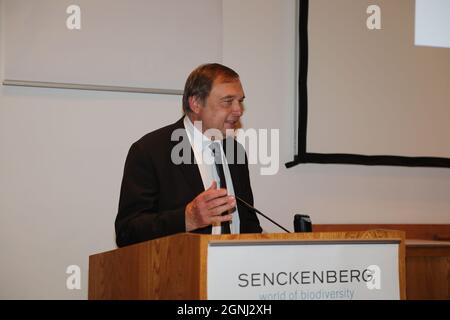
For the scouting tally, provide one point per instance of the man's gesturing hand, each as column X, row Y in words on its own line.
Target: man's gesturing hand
column 207, row 208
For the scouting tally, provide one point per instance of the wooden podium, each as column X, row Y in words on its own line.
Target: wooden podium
column 176, row 267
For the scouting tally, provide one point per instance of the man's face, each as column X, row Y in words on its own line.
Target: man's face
column 222, row 108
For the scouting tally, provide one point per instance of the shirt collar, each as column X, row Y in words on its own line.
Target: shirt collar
column 198, row 140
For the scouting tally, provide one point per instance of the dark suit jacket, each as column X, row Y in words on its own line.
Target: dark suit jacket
column 155, row 191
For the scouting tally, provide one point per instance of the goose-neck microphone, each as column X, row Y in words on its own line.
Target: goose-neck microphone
column 249, row 206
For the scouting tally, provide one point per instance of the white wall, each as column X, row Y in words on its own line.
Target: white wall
column 62, row 155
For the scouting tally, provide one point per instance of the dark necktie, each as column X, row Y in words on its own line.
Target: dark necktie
column 217, row 153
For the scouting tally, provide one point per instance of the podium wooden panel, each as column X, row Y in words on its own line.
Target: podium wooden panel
column 428, row 270
column 175, row 267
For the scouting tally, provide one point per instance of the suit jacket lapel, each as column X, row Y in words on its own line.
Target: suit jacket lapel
column 190, row 170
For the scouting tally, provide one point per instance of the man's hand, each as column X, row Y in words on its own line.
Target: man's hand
column 207, row 208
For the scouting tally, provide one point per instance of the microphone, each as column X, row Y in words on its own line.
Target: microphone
column 259, row 212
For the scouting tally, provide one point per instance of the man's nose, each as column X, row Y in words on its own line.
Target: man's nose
column 238, row 108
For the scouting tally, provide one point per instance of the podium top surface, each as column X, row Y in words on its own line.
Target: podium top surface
column 378, row 235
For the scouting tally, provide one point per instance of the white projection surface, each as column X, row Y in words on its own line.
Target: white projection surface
column 433, row 23
column 374, row 92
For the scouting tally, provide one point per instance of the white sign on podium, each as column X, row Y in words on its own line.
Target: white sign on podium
column 303, row 270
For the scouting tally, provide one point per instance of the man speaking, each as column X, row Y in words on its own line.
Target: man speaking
column 183, row 177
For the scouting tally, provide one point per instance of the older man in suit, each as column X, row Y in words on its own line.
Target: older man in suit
column 184, row 177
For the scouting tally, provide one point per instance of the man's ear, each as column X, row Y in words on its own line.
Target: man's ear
column 194, row 104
